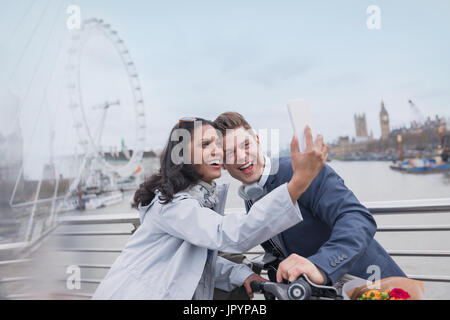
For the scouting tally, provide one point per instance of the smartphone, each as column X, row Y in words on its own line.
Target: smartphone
column 300, row 115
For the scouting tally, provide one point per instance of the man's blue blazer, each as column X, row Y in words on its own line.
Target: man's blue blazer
column 337, row 231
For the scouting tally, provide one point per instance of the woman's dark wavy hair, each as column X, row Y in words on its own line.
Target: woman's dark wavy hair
column 171, row 178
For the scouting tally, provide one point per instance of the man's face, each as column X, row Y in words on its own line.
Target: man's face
column 243, row 159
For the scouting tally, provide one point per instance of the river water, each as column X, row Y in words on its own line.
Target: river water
column 374, row 181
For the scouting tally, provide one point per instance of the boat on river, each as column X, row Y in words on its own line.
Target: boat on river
column 421, row 166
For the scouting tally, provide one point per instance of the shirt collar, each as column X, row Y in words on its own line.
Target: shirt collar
column 266, row 172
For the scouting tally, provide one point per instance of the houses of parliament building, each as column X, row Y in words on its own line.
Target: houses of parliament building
column 419, row 137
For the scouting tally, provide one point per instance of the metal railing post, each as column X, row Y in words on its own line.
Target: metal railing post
column 33, row 212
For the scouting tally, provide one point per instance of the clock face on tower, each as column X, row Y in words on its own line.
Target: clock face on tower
column 384, row 117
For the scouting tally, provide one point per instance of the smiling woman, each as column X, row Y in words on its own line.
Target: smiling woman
column 208, row 147
column 184, row 161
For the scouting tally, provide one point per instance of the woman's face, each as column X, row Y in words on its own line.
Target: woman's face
column 207, row 152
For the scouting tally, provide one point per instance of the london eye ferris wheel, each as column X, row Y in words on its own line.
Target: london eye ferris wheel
column 104, row 95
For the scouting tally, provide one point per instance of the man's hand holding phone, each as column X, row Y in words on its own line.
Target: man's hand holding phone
column 307, row 164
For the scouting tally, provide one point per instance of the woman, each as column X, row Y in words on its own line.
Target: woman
column 173, row 254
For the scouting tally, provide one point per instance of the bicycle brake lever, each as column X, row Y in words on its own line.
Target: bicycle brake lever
column 322, row 291
column 279, row 290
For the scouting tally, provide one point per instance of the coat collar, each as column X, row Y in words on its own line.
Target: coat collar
column 222, row 191
column 272, row 178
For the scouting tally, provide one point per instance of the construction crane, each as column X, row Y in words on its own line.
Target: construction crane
column 417, row 113
column 104, row 106
column 444, row 147
column 445, row 154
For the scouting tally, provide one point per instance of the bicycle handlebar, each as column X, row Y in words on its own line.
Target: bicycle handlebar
column 300, row 289
column 257, row 286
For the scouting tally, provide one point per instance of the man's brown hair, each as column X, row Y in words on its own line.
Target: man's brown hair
column 230, row 120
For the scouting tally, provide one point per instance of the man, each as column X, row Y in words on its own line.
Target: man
column 336, row 235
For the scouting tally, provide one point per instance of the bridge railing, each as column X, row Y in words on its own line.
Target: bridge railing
column 436, row 206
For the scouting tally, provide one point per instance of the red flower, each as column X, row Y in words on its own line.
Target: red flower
column 398, row 293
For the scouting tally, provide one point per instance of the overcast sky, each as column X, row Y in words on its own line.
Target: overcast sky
column 201, row 58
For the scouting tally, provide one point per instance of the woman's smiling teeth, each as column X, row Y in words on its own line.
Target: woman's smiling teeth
column 214, row 163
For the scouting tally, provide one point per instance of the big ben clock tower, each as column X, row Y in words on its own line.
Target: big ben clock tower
column 384, row 122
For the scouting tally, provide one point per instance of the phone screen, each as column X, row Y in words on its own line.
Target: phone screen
column 300, row 115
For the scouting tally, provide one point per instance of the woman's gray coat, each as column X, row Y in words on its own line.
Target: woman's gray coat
column 173, row 254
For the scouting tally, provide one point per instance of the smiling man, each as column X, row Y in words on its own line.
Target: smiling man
column 336, row 236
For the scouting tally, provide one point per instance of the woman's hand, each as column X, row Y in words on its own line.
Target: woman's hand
column 252, row 277
column 306, row 165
